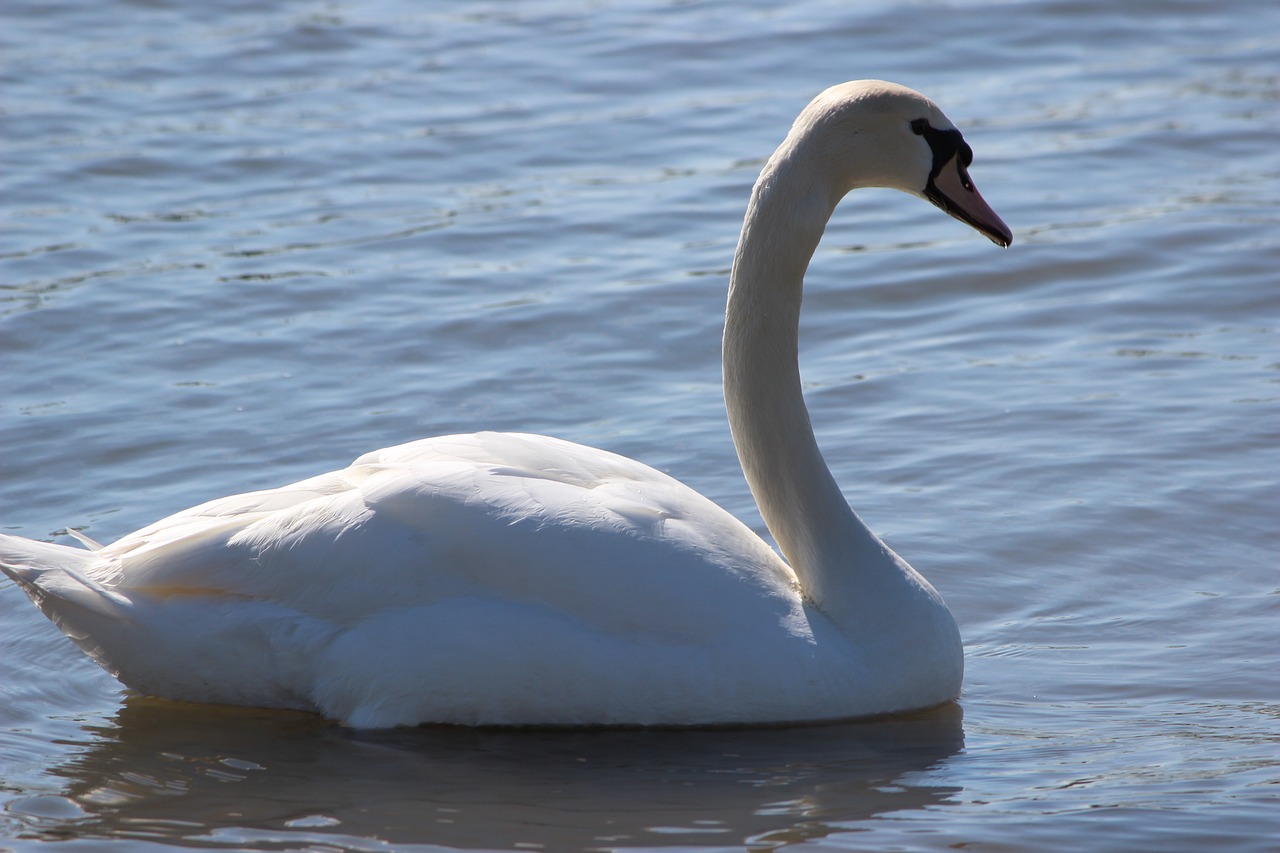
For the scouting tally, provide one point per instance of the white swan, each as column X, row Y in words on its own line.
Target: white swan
column 517, row 579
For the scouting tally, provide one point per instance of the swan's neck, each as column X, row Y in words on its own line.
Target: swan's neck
column 839, row 561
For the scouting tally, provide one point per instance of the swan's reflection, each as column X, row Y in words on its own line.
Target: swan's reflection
column 209, row 776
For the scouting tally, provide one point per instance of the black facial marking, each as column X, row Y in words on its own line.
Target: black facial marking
column 945, row 145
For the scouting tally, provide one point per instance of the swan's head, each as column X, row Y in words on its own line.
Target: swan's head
column 870, row 133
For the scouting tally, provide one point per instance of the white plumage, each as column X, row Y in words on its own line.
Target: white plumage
column 500, row 578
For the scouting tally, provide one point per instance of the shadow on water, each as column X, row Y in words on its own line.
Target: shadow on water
column 218, row 777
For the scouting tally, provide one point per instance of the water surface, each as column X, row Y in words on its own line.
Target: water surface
column 239, row 246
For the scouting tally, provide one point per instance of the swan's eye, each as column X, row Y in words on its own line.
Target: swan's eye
column 920, row 126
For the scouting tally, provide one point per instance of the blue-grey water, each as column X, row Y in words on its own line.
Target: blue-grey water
column 242, row 243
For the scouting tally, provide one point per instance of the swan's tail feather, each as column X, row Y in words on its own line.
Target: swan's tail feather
column 60, row 581
column 91, row 544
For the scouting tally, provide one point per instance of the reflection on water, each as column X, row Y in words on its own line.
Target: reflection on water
column 210, row 776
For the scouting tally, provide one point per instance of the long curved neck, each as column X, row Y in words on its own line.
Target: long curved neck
column 834, row 554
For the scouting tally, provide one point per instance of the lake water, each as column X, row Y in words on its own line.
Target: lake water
column 242, row 243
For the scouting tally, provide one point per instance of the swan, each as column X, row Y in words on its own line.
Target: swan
column 513, row 579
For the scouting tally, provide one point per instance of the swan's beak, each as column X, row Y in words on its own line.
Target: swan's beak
column 953, row 191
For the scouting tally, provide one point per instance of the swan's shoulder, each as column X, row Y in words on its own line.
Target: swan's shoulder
column 521, row 477
column 491, row 515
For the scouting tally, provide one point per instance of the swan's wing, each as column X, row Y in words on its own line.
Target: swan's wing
column 498, row 516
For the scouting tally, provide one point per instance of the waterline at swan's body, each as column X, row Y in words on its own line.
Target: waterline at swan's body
column 499, row 578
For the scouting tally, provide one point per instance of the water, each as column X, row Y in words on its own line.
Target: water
column 241, row 245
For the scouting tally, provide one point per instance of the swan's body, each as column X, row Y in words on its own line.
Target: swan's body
column 517, row 579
